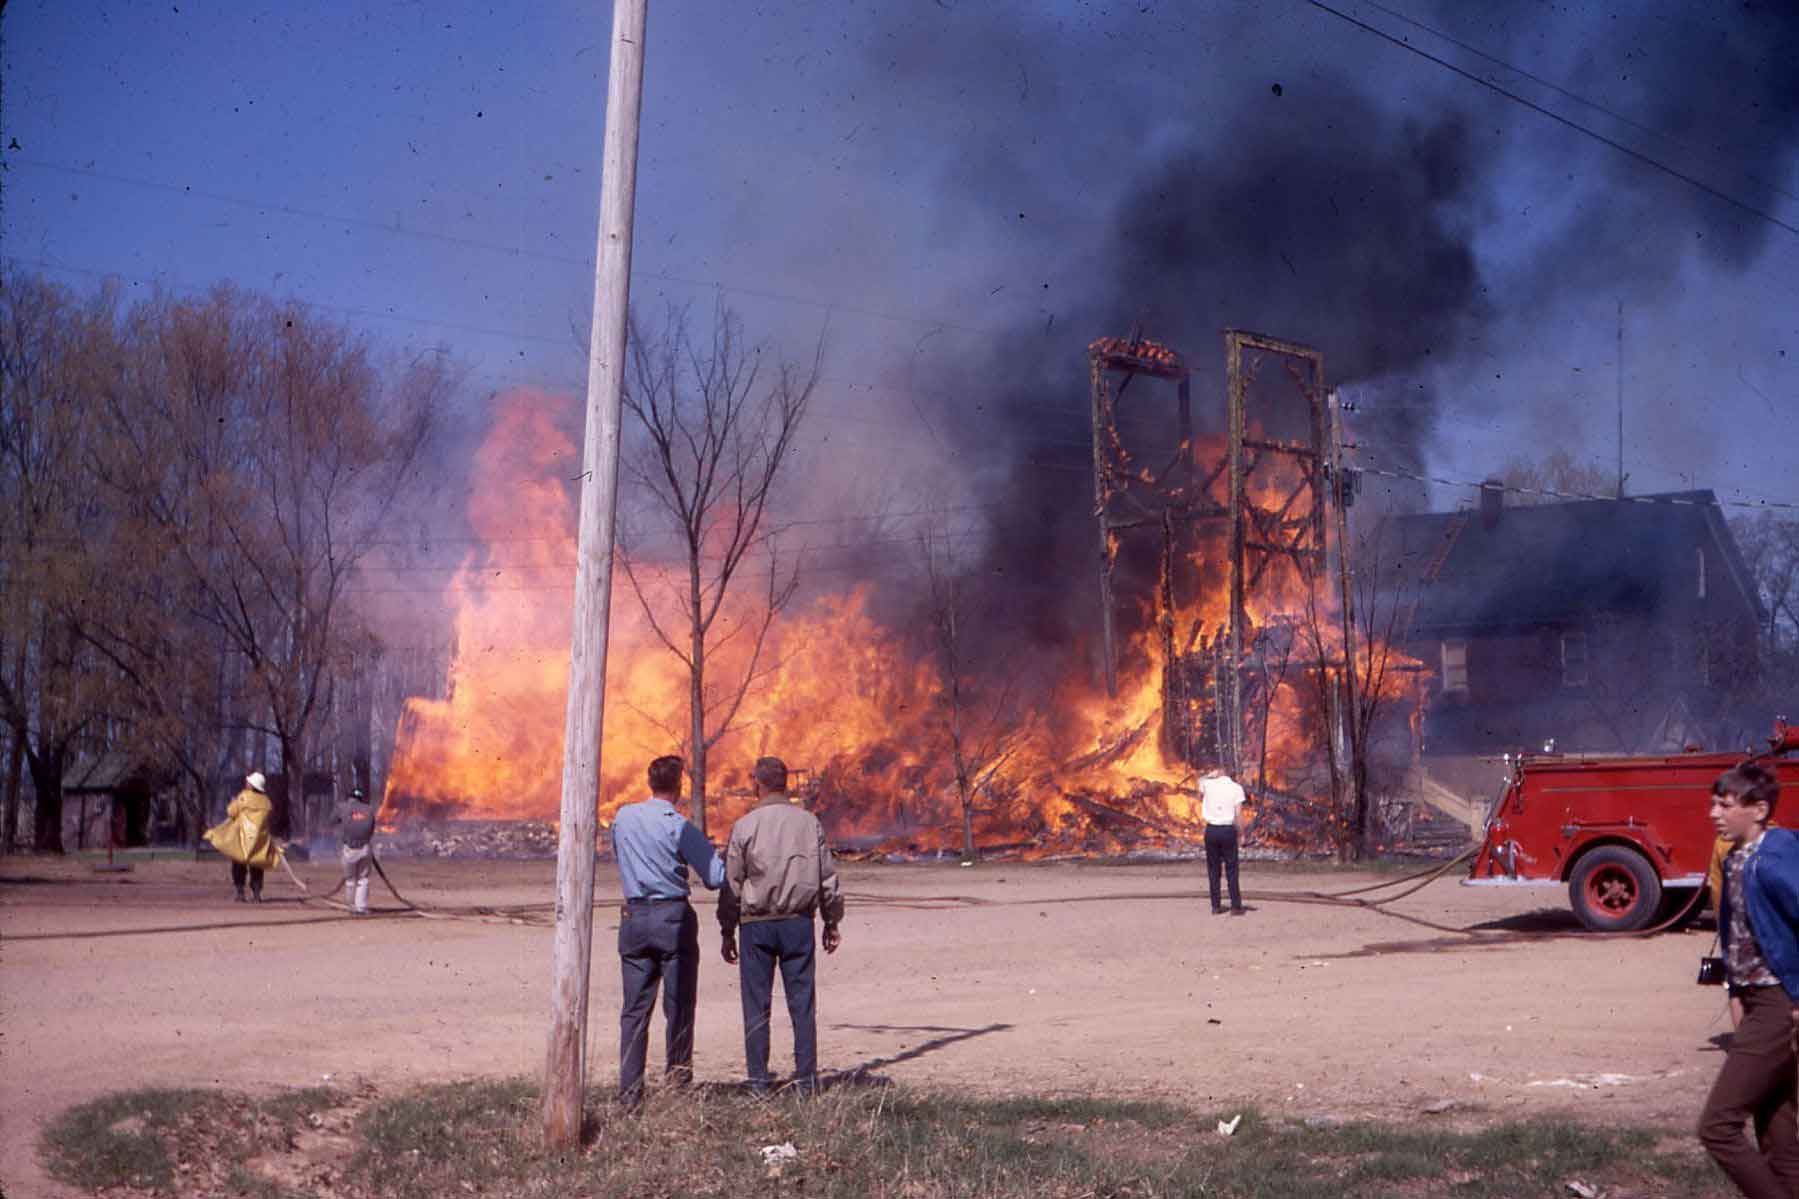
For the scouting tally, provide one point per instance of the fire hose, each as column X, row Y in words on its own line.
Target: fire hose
column 537, row 914
column 1350, row 898
column 516, row 915
column 306, row 895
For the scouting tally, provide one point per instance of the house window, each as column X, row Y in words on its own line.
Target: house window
column 1574, row 659
column 1701, row 553
column 1455, row 668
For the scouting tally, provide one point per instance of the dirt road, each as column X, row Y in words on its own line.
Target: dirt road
column 1039, row 978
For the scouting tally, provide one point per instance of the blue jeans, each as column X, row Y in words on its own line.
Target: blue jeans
column 760, row 947
column 658, row 942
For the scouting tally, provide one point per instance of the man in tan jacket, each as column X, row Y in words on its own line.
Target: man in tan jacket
column 778, row 872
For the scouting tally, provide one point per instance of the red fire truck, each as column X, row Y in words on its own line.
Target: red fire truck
column 1623, row 833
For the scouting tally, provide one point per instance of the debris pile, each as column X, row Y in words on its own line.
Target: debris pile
column 516, row 840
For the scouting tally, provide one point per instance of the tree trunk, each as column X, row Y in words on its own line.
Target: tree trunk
column 9, row 818
column 969, row 853
column 192, row 802
column 1358, row 781
column 696, row 701
column 15, row 762
column 46, row 781
column 292, row 817
column 963, row 791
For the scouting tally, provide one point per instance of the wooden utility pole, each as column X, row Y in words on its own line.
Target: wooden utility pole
column 565, row 1068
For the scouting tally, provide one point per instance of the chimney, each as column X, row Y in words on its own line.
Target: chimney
column 1492, row 502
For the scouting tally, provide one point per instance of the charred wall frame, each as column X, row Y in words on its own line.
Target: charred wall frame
column 1268, row 520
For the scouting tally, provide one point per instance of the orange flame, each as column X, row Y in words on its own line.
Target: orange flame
column 849, row 704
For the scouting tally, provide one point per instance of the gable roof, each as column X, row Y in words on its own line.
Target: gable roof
column 1554, row 563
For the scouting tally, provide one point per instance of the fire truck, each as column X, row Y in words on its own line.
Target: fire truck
column 1630, row 837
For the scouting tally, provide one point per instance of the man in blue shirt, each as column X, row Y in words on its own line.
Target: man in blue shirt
column 658, row 934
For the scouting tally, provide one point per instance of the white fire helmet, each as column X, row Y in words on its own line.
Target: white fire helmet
column 255, row 780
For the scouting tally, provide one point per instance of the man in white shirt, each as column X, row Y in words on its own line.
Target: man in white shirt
column 1221, row 805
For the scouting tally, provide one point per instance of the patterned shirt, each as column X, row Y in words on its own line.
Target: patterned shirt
column 1743, row 963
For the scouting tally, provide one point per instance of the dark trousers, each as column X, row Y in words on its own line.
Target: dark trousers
column 658, row 942
column 760, row 946
column 1756, row 1084
column 1221, row 851
column 238, row 870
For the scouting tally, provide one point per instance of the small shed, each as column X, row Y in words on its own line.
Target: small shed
column 107, row 799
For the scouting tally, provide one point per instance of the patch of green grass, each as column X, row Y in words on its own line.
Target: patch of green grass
column 292, row 1106
column 166, row 1142
column 241, row 1183
column 857, row 1140
column 428, row 1141
column 119, row 1140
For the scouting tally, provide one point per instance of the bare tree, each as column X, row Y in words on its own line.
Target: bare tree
column 1770, row 546
column 1557, row 476
column 714, row 433
column 979, row 710
column 186, row 490
column 53, row 581
column 265, row 450
column 1356, row 670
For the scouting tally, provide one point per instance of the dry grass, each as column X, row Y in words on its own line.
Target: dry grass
column 481, row 1138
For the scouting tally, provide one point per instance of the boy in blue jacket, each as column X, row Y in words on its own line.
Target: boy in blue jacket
column 1758, row 925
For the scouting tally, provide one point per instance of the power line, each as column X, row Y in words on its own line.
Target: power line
column 860, row 570
column 1620, row 147
column 847, row 518
column 1559, row 90
column 499, row 568
column 1516, row 489
column 1639, row 459
column 500, row 247
column 573, row 386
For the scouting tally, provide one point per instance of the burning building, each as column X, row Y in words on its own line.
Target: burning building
column 1221, row 639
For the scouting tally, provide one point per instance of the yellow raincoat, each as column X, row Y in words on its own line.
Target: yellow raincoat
column 244, row 837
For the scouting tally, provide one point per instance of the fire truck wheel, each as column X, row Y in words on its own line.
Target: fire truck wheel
column 1614, row 890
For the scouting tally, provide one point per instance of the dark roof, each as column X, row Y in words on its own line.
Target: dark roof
column 1550, row 563
column 107, row 772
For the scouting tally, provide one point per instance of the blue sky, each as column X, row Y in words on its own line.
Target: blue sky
column 927, row 179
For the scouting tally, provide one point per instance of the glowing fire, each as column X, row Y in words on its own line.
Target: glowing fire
column 850, row 704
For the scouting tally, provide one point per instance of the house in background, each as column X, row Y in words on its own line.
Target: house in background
column 1602, row 626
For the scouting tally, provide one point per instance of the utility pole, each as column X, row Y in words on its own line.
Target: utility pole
column 565, row 1067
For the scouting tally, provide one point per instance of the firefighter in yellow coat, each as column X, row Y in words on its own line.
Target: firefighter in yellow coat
column 245, row 836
